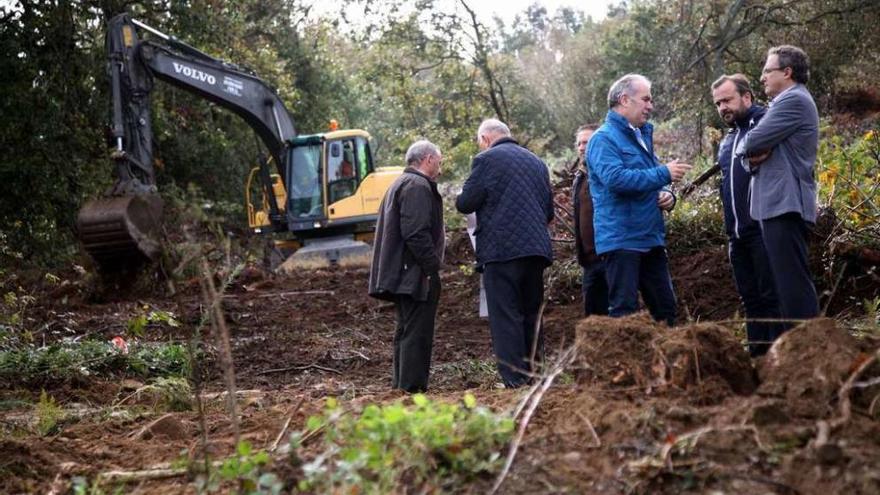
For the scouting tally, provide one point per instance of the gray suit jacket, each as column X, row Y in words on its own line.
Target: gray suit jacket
column 784, row 183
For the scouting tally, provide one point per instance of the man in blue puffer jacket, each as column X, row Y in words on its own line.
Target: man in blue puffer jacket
column 626, row 182
column 509, row 189
column 751, row 268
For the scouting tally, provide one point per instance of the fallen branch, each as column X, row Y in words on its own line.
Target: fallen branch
column 299, row 368
column 592, row 430
column 535, row 393
column 142, row 475
column 282, row 294
column 825, row 428
column 286, row 423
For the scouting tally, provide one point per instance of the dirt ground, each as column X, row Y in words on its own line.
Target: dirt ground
column 643, row 409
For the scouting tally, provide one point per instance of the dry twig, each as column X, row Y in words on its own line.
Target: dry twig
column 287, row 423
column 294, row 368
column 535, row 394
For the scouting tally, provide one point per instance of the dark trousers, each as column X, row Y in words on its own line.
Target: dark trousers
column 630, row 272
column 414, row 339
column 754, row 282
column 514, row 292
column 594, row 289
column 785, row 239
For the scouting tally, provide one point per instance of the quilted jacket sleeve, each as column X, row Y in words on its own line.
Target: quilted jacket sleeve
column 473, row 193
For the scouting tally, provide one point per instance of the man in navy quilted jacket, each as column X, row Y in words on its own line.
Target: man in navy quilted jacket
column 509, row 189
column 627, row 183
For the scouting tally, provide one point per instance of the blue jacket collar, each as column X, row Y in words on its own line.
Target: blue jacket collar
column 620, row 121
column 753, row 113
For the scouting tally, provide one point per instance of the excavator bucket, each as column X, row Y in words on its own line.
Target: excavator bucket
column 120, row 231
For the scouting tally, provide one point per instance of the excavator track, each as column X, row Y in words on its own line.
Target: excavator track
column 120, row 232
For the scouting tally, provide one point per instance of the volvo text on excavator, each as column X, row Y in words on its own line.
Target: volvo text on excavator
column 319, row 192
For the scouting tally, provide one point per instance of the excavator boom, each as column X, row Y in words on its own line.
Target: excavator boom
column 121, row 227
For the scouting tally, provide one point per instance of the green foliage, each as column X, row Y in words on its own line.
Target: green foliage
column 847, row 176
column 428, row 444
column 48, row 414
column 174, row 393
column 146, row 316
column 246, row 469
column 64, row 361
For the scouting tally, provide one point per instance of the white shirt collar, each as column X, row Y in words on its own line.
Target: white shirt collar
column 786, row 90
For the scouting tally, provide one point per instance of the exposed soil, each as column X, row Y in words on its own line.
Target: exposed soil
column 644, row 408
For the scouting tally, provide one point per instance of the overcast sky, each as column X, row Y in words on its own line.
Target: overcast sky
column 505, row 9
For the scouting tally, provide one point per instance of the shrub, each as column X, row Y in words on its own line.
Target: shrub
column 433, row 445
column 65, row 361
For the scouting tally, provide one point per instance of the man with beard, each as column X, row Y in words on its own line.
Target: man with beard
column 734, row 101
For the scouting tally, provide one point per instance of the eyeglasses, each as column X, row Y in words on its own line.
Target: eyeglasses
column 772, row 69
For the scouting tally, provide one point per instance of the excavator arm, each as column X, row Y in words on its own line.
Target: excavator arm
column 120, row 227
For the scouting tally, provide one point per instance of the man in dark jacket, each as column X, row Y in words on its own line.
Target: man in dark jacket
column 509, row 189
column 407, row 254
column 594, row 288
column 626, row 182
column 733, row 98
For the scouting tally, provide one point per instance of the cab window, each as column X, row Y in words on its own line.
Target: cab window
column 305, row 198
column 344, row 169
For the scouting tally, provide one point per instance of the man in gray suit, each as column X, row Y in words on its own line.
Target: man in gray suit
column 781, row 151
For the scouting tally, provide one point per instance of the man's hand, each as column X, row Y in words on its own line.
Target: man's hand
column 759, row 158
column 665, row 200
column 677, row 169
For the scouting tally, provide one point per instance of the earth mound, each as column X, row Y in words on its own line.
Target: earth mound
column 704, row 361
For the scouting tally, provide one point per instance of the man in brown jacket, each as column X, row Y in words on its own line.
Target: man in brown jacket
column 407, row 254
column 594, row 288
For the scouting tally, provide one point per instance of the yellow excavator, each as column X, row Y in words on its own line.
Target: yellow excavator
column 318, row 194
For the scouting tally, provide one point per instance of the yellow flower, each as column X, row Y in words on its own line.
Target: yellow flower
column 869, row 135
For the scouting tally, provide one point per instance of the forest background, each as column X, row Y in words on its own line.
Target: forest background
column 409, row 69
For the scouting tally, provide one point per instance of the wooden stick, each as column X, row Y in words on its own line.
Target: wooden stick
column 592, row 430
column 282, row 294
column 293, row 368
column 286, row 424
column 535, row 400
column 143, row 475
column 688, row 189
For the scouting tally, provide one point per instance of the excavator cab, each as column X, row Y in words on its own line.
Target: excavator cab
column 331, row 196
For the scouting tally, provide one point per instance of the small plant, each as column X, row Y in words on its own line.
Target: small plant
column 48, row 414
column 247, row 470
column 432, row 445
column 139, row 322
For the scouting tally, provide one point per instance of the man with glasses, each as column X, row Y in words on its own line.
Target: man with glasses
column 780, row 152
